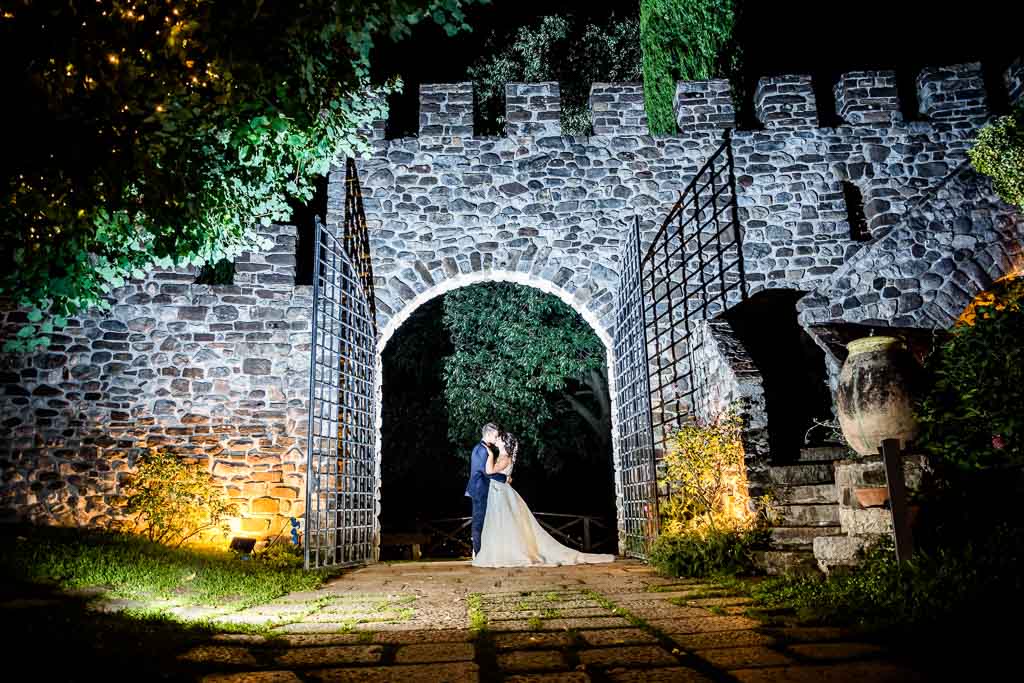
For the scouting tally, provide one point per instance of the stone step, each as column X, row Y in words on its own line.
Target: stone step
column 799, row 475
column 822, row 494
column 838, row 551
column 807, row 515
column 799, row 537
column 779, row 562
column 825, row 453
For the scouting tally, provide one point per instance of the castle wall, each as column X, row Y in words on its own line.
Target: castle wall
column 217, row 374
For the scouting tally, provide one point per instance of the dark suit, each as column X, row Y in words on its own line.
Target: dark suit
column 476, row 489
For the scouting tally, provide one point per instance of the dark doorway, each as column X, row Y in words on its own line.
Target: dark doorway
column 792, row 367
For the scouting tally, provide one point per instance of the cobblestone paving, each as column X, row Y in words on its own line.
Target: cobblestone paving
column 452, row 622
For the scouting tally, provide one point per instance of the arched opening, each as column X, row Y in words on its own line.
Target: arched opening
column 567, row 465
column 792, row 366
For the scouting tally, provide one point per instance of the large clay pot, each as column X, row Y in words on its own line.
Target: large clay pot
column 875, row 395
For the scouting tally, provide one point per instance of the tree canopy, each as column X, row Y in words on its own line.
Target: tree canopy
column 526, row 360
column 572, row 50
column 163, row 132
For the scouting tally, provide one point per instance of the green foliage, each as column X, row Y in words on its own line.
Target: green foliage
column 220, row 273
column 173, row 132
column 566, row 49
column 516, row 352
column 175, row 500
column 706, row 554
column 999, row 154
column 281, row 554
column 683, row 40
column 971, row 414
column 133, row 567
column 934, row 590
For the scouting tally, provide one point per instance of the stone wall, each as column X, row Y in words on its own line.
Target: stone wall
column 218, row 374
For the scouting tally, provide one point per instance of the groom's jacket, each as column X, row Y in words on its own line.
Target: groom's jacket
column 477, row 463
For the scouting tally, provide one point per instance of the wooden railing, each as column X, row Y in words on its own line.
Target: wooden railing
column 582, row 532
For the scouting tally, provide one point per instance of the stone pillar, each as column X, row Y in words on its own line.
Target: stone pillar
column 1013, row 77
column 868, row 97
column 786, row 102
column 446, row 110
column 952, row 93
column 618, row 109
column 704, row 106
column 533, row 109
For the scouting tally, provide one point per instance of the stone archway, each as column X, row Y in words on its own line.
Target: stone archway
column 527, row 280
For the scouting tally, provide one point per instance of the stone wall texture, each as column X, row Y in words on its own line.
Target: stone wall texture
column 218, row 374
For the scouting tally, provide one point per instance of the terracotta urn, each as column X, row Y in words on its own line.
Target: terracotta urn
column 871, row 497
column 876, row 394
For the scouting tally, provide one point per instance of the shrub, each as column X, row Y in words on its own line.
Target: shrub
column 999, row 154
column 970, row 415
column 708, row 554
column 709, row 523
column 174, row 500
column 682, row 40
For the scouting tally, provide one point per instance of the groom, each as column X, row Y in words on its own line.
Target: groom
column 479, row 483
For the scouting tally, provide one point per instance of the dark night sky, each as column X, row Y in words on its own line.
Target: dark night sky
column 821, row 38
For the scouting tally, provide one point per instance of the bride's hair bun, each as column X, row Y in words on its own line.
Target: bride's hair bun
column 511, row 444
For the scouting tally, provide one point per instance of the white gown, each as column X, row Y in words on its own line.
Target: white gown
column 512, row 536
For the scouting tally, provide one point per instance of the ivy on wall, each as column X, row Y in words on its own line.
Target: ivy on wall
column 683, row 40
column 999, row 154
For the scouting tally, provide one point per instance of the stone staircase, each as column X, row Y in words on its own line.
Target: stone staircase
column 807, row 508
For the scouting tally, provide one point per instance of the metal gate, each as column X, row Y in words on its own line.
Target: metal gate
column 636, row 449
column 341, row 476
column 692, row 271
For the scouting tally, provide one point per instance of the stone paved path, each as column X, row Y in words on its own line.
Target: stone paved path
column 452, row 622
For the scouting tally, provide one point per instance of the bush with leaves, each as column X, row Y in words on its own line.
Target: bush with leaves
column 571, row 50
column 173, row 131
column 999, row 154
column 971, row 415
column 174, row 500
column 689, row 40
column 709, row 523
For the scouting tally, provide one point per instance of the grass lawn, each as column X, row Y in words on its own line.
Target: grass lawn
column 125, row 566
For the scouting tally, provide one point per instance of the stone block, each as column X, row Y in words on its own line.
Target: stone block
column 953, row 93
column 786, row 102
column 254, row 525
column 868, row 97
column 838, row 551
column 618, row 109
column 533, row 109
column 704, row 106
column 446, row 110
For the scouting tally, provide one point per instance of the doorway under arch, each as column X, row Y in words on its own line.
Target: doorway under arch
column 396, row 321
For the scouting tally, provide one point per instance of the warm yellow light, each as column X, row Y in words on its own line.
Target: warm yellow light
column 113, row 59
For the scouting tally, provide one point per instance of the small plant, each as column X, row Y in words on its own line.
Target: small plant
column 475, row 612
column 999, row 154
column 706, row 554
column 174, row 500
column 280, row 555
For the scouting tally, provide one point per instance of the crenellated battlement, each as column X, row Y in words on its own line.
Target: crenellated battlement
column 951, row 96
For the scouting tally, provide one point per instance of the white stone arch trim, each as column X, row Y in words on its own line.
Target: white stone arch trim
column 478, row 277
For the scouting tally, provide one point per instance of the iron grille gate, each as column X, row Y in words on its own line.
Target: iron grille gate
column 636, row 449
column 341, row 476
column 693, row 270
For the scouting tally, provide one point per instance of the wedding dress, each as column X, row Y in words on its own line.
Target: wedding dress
column 512, row 536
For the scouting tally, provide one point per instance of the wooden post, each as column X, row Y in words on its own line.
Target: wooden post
column 892, row 457
column 586, row 534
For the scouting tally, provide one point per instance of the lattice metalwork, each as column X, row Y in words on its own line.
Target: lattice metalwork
column 341, row 483
column 636, row 448
column 692, row 271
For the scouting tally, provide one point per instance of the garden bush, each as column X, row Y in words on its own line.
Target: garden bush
column 175, row 501
column 709, row 523
column 971, row 413
column 999, row 154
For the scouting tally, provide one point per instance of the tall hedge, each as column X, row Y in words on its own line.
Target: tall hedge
column 681, row 40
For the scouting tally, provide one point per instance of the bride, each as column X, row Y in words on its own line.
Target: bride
column 512, row 536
